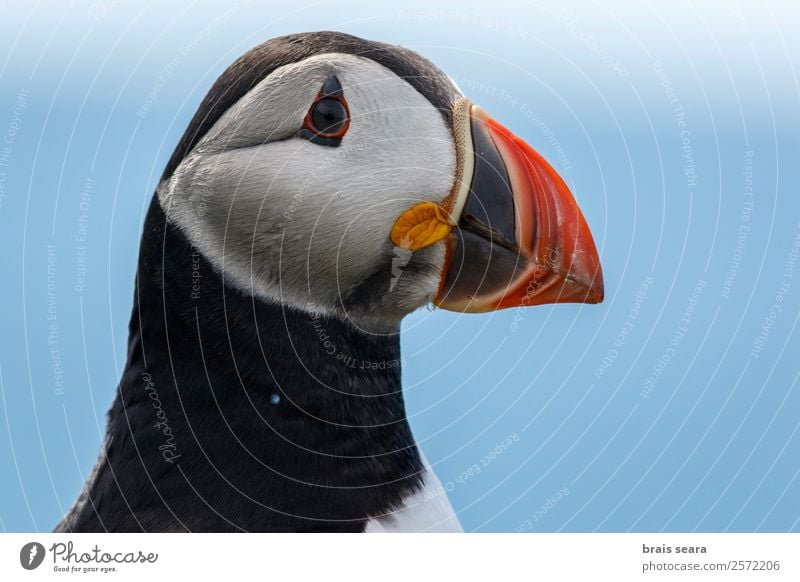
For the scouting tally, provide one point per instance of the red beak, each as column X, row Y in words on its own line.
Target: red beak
column 521, row 238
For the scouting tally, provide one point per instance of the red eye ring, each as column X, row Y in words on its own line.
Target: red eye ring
column 329, row 110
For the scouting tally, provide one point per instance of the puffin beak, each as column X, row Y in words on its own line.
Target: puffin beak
column 518, row 236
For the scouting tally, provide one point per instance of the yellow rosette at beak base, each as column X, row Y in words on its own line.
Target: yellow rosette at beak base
column 421, row 226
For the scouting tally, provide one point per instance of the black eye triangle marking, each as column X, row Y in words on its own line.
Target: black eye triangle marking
column 332, row 87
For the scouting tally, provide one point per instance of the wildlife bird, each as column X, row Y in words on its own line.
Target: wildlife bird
column 326, row 187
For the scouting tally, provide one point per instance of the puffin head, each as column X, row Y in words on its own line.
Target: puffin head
column 338, row 175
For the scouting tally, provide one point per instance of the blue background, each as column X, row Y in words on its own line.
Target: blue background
column 672, row 406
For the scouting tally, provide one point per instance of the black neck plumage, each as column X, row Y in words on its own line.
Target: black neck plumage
column 236, row 414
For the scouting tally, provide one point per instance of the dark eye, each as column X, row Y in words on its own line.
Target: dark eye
column 328, row 116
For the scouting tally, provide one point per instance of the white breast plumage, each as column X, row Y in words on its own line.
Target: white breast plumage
column 428, row 510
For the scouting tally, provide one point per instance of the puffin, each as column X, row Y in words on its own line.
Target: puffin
column 326, row 187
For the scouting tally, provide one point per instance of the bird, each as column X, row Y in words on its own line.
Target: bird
column 326, row 187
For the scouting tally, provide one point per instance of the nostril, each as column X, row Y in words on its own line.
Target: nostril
column 473, row 224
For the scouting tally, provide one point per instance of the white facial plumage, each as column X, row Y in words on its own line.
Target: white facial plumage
column 308, row 225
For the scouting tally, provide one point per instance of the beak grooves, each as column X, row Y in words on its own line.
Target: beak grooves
column 520, row 238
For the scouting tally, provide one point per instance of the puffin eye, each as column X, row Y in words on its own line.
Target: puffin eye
column 328, row 118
